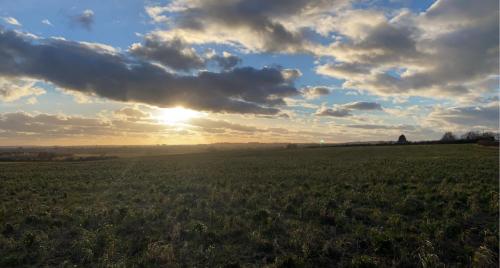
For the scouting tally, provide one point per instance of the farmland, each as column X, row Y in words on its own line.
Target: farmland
column 412, row 206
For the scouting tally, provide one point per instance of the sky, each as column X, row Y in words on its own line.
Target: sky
column 206, row 71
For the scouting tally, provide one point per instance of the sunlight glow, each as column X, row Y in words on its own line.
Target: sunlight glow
column 177, row 115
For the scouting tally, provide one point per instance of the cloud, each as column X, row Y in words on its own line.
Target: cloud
column 344, row 70
column 382, row 127
column 210, row 125
column 128, row 121
column 173, row 53
column 20, row 128
column 47, row 22
column 24, row 123
column 227, row 61
column 84, row 19
column 176, row 54
column 291, row 74
column 11, row 21
column 12, row 89
column 458, row 13
column 256, row 25
column 32, row 100
column 91, row 70
column 78, row 97
column 362, row 105
column 337, row 112
column 132, row 113
column 155, row 12
column 482, row 117
column 345, row 110
column 441, row 52
column 49, row 128
column 315, row 92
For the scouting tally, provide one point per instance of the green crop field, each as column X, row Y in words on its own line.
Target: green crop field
column 403, row 206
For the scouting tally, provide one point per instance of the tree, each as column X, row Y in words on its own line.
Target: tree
column 490, row 136
column 448, row 136
column 471, row 136
column 476, row 136
column 402, row 139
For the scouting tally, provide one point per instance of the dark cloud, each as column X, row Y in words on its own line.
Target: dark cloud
column 174, row 53
column 362, row 105
column 246, row 14
column 464, row 55
column 388, row 43
column 374, row 44
column 334, row 112
column 226, row 61
column 452, row 11
column 486, row 116
column 244, row 20
column 345, row 110
column 84, row 19
column 315, row 92
column 276, row 116
column 487, row 99
column 83, row 68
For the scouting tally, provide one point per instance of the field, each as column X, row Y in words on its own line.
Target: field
column 373, row 206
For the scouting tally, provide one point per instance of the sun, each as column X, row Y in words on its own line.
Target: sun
column 177, row 115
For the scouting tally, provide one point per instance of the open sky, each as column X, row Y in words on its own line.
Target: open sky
column 203, row 71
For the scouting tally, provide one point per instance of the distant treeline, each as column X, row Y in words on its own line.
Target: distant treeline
column 48, row 156
column 482, row 138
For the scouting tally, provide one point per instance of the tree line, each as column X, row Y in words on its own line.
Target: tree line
column 471, row 136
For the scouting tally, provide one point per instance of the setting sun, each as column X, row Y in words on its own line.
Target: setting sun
column 173, row 116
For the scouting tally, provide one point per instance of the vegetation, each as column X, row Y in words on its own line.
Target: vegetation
column 406, row 206
column 402, row 139
column 448, row 137
column 476, row 136
column 48, row 156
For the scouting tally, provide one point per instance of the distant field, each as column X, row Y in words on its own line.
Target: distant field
column 406, row 206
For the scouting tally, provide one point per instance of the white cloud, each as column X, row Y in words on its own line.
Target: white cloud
column 156, row 13
column 14, row 89
column 47, row 22
column 32, row 100
column 11, row 21
column 84, row 19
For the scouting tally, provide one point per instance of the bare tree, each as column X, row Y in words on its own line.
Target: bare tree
column 471, row 135
column 448, row 136
column 476, row 135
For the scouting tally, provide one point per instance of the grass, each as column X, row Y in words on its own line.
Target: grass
column 412, row 206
